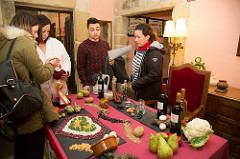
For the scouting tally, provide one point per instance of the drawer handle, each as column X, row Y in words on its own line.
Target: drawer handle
column 212, row 115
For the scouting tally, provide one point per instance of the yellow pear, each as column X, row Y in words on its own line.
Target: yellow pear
column 173, row 142
column 153, row 143
column 164, row 151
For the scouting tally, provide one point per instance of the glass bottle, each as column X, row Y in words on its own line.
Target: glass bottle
column 114, row 81
column 162, row 102
column 100, row 86
column 183, row 102
column 176, row 116
column 125, row 90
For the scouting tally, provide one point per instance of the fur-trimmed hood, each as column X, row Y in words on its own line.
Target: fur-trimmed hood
column 11, row 32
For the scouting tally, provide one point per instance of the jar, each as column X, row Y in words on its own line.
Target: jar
column 213, row 81
column 222, row 84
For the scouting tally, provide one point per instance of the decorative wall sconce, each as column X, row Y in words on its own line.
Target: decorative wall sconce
column 173, row 33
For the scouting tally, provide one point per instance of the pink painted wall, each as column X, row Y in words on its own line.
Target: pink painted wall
column 102, row 9
column 213, row 33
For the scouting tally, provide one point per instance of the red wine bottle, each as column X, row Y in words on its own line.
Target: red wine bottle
column 176, row 116
column 162, row 102
column 100, row 86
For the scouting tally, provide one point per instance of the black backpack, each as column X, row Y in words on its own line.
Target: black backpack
column 18, row 99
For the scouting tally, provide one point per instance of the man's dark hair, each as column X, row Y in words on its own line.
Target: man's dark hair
column 43, row 21
column 147, row 30
column 92, row 21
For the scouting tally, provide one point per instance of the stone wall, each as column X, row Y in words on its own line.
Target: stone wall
column 7, row 11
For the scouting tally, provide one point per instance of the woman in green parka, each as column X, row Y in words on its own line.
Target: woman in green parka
column 29, row 143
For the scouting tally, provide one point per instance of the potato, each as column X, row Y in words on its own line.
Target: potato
column 63, row 115
column 89, row 100
column 128, row 110
column 138, row 131
column 131, row 110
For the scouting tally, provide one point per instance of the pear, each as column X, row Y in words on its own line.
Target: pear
column 158, row 135
column 164, row 151
column 173, row 142
column 165, row 136
column 153, row 143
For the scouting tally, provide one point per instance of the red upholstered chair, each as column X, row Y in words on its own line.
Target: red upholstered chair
column 195, row 82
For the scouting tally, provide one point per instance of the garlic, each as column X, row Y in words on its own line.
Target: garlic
column 108, row 95
column 113, row 133
column 105, row 136
column 163, row 117
column 162, row 126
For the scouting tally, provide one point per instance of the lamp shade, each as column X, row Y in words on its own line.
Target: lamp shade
column 169, row 30
column 181, row 29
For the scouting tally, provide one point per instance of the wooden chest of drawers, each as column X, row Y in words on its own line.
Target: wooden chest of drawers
column 223, row 113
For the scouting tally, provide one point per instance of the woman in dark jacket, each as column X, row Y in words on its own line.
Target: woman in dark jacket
column 147, row 64
column 29, row 142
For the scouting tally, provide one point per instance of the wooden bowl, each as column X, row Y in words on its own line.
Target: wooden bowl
column 104, row 145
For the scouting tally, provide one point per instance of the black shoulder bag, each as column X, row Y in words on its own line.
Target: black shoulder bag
column 18, row 99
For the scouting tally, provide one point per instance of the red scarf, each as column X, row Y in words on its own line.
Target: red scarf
column 144, row 46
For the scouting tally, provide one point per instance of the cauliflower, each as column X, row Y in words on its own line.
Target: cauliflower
column 197, row 127
column 197, row 132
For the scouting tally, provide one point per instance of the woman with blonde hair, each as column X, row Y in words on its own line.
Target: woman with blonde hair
column 30, row 138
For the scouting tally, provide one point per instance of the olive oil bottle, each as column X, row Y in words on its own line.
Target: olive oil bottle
column 183, row 102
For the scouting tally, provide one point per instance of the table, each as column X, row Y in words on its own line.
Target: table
column 215, row 148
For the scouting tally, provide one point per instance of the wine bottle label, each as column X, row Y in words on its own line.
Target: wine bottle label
column 174, row 118
column 99, row 87
column 160, row 106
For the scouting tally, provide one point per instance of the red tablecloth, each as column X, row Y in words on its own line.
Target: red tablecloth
column 215, row 148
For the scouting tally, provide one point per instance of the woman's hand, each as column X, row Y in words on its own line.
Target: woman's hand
column 64, row 76
column 86, row 88
column 54, row 61
column 130, row 88
column 111, row 61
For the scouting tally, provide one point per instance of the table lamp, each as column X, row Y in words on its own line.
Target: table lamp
column 172, row 33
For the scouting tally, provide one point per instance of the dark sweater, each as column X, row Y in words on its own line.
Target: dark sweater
column 90, row 59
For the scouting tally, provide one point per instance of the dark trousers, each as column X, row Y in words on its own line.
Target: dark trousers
column 30, row 146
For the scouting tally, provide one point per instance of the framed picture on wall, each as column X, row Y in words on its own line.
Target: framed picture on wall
column 158, row 25
column 133, row 22
column 238, row 49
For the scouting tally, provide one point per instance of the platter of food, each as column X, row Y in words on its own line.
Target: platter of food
column 81, row 126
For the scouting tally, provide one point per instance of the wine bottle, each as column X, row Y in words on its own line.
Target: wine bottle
column 100, row 86
column 162, row 102
column 183, row 102
column 176, row 116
